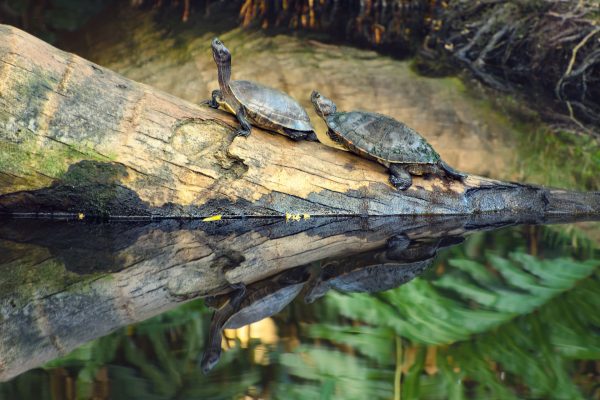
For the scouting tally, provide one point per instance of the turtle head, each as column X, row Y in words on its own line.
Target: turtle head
column 221, row 53
column 316, row 292
column 323, row 105
column 209, row 359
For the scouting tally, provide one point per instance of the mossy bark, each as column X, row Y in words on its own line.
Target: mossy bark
column 78, row 138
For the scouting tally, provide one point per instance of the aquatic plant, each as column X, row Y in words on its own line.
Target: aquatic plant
column 479, row 330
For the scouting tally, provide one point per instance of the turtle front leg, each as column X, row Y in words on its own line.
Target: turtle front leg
column 216, row 94
column 399, row 177
column 238, row 294
column 212, row 354
column 245, row 127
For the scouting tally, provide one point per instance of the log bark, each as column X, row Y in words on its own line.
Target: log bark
column 63, row 284
column 78, row 138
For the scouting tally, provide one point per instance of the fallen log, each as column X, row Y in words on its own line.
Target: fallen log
column 78, row 138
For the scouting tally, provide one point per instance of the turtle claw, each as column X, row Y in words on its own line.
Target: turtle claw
column 211, row 103
column 399, row 177
column 242, row 132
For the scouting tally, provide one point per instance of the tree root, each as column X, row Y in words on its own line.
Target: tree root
column 589, row 61
column 506, row 44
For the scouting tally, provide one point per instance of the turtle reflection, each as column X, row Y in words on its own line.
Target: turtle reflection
column 249, row 305
column 386, row 268
column 378, row 270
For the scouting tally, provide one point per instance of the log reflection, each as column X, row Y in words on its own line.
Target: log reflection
column 64, row 283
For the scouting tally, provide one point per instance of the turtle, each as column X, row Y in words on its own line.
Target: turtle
column 253, row 103
column 383, row 139
column 400, row 261
column 248, row 305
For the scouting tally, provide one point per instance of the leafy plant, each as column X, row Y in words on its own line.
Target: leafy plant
column 500, row 327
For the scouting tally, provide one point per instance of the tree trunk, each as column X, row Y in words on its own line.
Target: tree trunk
column 78, row 138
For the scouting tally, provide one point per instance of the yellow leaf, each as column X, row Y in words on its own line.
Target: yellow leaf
column 213, row 218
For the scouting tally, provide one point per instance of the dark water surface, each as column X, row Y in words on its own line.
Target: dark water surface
column 461, row 307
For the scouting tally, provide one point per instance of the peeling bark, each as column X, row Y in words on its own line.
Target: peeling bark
column 78, row 138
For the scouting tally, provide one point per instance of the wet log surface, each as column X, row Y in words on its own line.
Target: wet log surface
column 78, row 138
column 65, row 283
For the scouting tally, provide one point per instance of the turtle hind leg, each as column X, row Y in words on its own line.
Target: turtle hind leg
column 396, row 246
column 300, row 135
column 312, row 137
column 451, row 172
column 399, row 177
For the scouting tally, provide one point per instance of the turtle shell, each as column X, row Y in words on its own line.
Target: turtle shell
column 271, row 104
column 381, row 137
column 264, row 307
column 378, row 278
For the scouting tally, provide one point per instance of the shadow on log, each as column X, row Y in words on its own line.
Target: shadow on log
column 56, row 293
column 78, row 138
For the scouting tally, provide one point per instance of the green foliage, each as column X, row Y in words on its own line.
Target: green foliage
column 342, row 376
column 559, row 159
column 372, row 342
column 503, row 327
column 418, row 312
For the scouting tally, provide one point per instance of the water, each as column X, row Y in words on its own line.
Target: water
column 338, row 308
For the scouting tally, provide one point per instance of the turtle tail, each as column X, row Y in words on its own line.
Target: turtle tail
column 451, row 171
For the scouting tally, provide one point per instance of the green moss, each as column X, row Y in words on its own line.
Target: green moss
column 27, row 277
column 41, row 160
column 24, row 151
column 90, row 172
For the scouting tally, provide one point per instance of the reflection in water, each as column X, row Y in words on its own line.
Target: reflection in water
column 248, row 305
column 396, row 263
column 63, row 284
column 379, row 270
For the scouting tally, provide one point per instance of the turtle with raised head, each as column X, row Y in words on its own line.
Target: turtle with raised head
column 248, row 305
column 255, row 104
column 383, row 139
